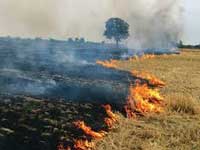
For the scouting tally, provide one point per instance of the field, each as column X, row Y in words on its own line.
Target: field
column 37, row 123
column 178, row 127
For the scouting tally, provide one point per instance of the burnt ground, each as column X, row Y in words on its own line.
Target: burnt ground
column 37, row 120
column 29, row 123
column 46, row 85
column 61, row 70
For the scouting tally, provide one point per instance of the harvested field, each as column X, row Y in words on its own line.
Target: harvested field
column 28, row 122
column 178, row 127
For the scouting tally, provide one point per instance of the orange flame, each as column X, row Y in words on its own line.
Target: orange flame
column 114, row 63
column 143, row 57
column 108, row 63
column 87, row 130
column 61, row 147
column 151, row 78
column 129, row 112
column 112, row 118
column 109, row 112
column 83, row 145
column 147, row 56
column 143, row 100
column 109, row 122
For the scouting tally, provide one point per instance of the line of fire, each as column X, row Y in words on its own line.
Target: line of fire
column 143, row 99
column 78, row 75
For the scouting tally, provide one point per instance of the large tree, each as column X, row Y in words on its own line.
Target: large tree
column 116, row 29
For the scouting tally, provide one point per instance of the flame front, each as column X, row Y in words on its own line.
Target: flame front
column 141, row 100
column 112, row 118
column 83, row 145
column 61, row 147
column 143, row 57
column 146, row 76
column 144, row 100
column 108, row 63
column 87, row 130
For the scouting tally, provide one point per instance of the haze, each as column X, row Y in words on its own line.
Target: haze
column 77, row 18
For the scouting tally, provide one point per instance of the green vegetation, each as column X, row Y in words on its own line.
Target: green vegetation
column 117, row 29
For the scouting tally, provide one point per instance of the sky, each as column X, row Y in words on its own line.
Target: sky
column 191, row 21
column 83, row 18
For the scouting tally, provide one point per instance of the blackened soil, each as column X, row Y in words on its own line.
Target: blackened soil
column 28, row 123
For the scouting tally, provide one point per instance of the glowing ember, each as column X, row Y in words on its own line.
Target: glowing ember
column 83, row 145
column 112, row 118
column 61, row 147
column 87, row 130
column 146, row 76
column 109, row 112
column 108, row 63
column 129, row 112
column 148, row 56
column 109, row 122
column 143, row 100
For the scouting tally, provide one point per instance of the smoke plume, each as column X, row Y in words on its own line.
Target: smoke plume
column 153, row 24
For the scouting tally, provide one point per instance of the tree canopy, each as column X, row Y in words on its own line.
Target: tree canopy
column 116, row 29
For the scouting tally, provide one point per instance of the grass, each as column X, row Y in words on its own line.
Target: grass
column 181, row 104
column 178, row 128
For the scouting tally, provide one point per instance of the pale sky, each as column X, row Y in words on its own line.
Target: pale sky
column 71, row 18
column 192, row 21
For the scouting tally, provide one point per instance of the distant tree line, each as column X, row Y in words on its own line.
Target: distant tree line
column 76, row 40
column 182, row 45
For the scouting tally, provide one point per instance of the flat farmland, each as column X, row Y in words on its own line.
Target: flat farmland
column 178, row 127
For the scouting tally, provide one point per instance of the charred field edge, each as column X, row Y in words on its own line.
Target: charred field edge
column 45, row 85
column 29, row 123
column 53, row 69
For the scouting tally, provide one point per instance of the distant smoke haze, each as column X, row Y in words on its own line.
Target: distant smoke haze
column 153, row 24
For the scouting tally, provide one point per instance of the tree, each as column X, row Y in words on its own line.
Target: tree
column 116, row 28
column 82, row 40
column 76, row 39
column 70, row 40
column 180, row 45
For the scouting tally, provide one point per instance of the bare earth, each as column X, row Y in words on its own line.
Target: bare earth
column 177, row 128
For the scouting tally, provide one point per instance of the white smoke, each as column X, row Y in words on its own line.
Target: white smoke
column 153, row 23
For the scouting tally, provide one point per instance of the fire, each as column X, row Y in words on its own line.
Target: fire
column 109, row 122
column 129, row 112
column 114, row 63
column 143, row 57
column 146, row 76
column 141, row 100
column 61, row 147
column 87, row 130
column 144, row 100
column 109, row 112
column 148, row 56
column 112, row 118
column 108, row 63
column 83, row 145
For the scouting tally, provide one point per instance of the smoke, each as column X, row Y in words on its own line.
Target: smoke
column 23, row 82
column 156, row 26
column 70, row 57
column 153, row 24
